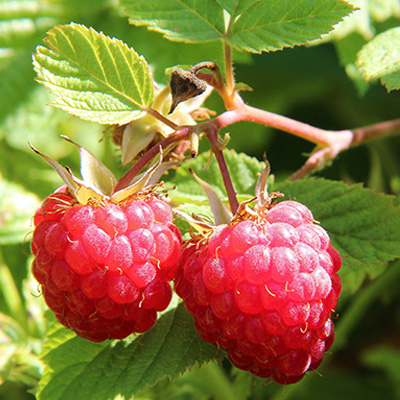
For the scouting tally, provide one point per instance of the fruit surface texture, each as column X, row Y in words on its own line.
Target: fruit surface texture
column 104, row 268
column 263, row 288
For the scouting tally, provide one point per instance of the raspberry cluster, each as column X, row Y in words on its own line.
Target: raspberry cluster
column 104, row 268
column 263, row 289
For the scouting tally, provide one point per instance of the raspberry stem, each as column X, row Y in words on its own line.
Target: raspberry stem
column 212, row 136
column 230, row 76
column 329, row 143
column 180, row 134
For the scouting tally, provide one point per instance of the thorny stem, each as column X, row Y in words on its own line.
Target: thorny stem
column 212, row 136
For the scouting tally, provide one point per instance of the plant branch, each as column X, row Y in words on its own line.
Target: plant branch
column 329, row 143
column 179, row 135
column 375, row 131
column 230, row 76
column 231, row 99
column 156, row 114
column 212, row 136
column 300, row 129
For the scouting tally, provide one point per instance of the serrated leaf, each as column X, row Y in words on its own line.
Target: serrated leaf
column 380, row 59
column 78, row 369
column 357, row 22
column 257, row 26
column 270, row 25
column 180, row 20
column 364, row 226
column 93, row 76
column 243, row 170
column 17, row 207
column 235, row 7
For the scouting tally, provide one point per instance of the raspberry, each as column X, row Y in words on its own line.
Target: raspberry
column 105, row 267
column 263, row 289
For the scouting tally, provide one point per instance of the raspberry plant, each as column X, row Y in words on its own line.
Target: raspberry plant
column 169, row 106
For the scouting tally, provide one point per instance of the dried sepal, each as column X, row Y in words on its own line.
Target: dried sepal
column 221, row 214
column 197, row 224
column 94, row 173
column 137, row 136
column 98, row 183
column 262, row 183
column 64, row 173
column 138, row 183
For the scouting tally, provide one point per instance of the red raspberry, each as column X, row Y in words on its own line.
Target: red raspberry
column 104, row 267
column 263, row 288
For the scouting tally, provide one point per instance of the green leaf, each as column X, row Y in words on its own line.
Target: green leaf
column 93, row 76
column 242, row 383
column 235, row 7
column 364, row 226
column 180, row 20
column 76, row 368
column 260, row 25
column 17, row 207
column 380, row 59
column 270, row 25
column 243, row 170
column 357, row 22
column 191, row 198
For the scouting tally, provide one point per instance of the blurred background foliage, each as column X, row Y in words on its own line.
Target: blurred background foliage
column 317, row 84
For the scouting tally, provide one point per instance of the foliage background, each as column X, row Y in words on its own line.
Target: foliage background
column 306, row 83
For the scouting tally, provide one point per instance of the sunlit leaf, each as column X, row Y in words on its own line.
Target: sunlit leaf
column 272, row 25
column 181, row 20
column 110, row 84
column 380, row 59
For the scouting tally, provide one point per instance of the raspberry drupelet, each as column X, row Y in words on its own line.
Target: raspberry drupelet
column 263, row 288
column 105, row 267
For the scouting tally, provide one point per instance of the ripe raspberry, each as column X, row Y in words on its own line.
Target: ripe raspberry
column 263, row 288
column 104, row 267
